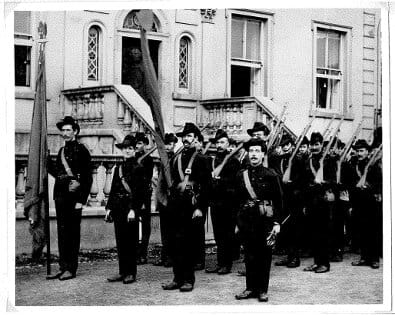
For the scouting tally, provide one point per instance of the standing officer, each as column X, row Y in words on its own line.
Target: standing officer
column 188, row 197
column 364, row 200
column 122, row 207
column 162, row 207
column 321, row 197
column 259, row 193
column 258, row 131
column 73, row 180
column 222, row 204
column 145, row 213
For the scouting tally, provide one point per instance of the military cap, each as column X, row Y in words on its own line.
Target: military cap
column 188, row 128
column 140, row 136
column 68, row 120
column 218, row 135
column 128, row 141
column 258, row 126
column 255, row 142
column 316, row 137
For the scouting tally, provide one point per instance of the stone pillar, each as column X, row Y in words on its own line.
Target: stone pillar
column 20, row 185
column 93, row 201
column 107, row 185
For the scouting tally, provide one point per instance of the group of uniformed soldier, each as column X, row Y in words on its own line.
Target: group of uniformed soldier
column 305, row 188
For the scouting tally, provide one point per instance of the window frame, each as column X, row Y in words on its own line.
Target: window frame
column 345, row 59
column 101, row 73
column 261, row 78
column 27, row 39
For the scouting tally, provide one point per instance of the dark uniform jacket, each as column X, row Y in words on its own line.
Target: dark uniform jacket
column 120, row 201
column 79, row 160
column 267, row 186
column 224, row 186
column 355, row 169
column 200, row 177
column 148, row 164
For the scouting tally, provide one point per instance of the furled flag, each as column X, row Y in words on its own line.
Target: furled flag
column 36, row 197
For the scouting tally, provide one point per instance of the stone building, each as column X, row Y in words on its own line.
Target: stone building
column 215, row 67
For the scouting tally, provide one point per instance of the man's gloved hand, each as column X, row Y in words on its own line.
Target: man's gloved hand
column 78, row 206
column 131, row 216
column 108, row 217
column 197, row 214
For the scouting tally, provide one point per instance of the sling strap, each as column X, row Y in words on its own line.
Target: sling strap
column 123, row 180
column 248, row 185
column 65, row 164
column 184, row 176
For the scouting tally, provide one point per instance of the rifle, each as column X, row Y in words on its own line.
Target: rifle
column 215, row 173
column 287, row 173
column 373, row 158
column 146, row 154
column 326, row 130
column 346, row 151
column 276, row 128
column 319, row 177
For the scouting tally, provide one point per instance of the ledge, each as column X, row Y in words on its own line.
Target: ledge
column 184, row 97
column 320, row 114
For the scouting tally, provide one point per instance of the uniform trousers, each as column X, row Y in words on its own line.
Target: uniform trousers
column 320, row 215
column 337, row 221
column 181, row 238
column 223, row 227
column 126, row 238
column 199, row 240
column 69, row 227
column 145, row 217
column 165, row 226
column 368, row 219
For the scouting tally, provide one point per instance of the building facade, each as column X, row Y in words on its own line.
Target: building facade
column 215, row 67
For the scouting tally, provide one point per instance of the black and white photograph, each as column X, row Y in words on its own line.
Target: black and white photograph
column 165, row 157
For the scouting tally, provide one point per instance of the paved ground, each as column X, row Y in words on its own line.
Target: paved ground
column 344, row 284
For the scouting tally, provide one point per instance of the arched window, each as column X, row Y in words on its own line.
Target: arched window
column 184, row 63
column 132, row 22
column 93, row 53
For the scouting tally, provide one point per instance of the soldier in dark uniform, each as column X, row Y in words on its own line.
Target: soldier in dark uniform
column 321, row 196
column 364, row 204
column 72, row 166
column 123, row 206
column 162, row 200
column 198, row 225
column 259, row 193
column 293, row 204
column 222, row 204
column 145, row 213
column 188, row 199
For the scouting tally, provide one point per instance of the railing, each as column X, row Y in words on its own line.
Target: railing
column 102, row 171
column 235, row 115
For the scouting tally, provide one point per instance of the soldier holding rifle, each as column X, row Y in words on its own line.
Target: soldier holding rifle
column 225, row 167
column 365, row 186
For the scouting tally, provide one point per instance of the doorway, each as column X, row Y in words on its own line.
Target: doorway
column 240, row 81
column 132, row 64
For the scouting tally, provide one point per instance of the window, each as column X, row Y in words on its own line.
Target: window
column 183, row 56
column 132, row 22
column 22, row 48
column 93, row 53
column 330, row 71
column 247, row 55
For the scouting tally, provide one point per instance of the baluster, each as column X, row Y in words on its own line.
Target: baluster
column 20, row 186
column 107, row 184
column 234, row 118
column 127, row 120
column 239, row 122
column 86, row 107
column 74, row 107
column 211, row 118
column 121, row 111
column 80, row 107
column 100, row 105
column 92, row 107
column 93, row 202
column 135, row 123
column 217, row 117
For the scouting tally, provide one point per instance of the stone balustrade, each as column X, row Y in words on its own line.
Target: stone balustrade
column 235, row 115
column 102, row 172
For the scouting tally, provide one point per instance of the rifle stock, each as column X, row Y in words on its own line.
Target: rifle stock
column 146, row 154
column 326, row 130
column 319, row 178
column 346, row 150
column 362, row 182
column 287, row 173
column 218, row 169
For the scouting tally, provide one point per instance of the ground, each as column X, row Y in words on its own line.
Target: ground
column 344, row 284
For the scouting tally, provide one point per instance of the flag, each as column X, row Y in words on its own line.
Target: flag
column 145, row 18
column 36, row 197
